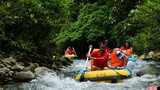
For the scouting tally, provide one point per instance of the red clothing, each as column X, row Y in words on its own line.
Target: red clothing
column 101, row 61
column 69, row 52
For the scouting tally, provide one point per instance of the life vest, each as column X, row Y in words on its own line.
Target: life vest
column 128, row 52
column 115, row 61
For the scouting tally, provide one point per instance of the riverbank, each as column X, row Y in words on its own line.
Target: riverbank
column 14, row 69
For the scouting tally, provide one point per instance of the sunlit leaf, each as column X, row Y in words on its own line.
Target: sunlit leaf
column 32, row 15
column 30, row 9
column 35, row 21
column 8, row 4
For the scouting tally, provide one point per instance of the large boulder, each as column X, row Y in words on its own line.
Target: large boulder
column 24, row 76
column 40, row 71
column 156, row 57
column 149, row 56
column 149, row 70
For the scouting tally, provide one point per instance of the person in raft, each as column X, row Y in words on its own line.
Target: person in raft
column 118, row 59
column 99, row 58
column 69, row 51
column 128, row 49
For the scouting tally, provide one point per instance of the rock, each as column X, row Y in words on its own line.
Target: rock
column 66, row 61
column 149, row 70
column 24, row 76
column 134, row 56
column 142, row 57
column 17, row 68
column 1, row 66
column 151, row 53
column 40, row 71
column 32, row 67
column 56, row 67
column 21, row 63
column 156, row 57
column 149, row 56
column 9, row 60
column 4, row 69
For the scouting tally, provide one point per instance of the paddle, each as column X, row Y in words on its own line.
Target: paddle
column 74, row 51
column 84, row 70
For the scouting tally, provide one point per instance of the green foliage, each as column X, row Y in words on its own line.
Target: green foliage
column 141, row 27
column 90, row 26
column 147, row 16
column 36, row 27
column 27, row 27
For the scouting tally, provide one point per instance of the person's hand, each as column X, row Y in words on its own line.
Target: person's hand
column 90, row 46
column 122, row 67
column 88, row 55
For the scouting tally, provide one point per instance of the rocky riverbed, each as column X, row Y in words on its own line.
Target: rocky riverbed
column 13, row 70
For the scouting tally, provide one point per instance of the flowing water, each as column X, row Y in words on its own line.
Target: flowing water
column 65, row 79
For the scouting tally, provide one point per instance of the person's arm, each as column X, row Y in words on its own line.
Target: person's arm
column 91, row 56
column 120, row 55
column 126, row 60
column 102, row 58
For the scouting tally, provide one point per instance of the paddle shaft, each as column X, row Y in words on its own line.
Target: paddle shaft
column 82, row 75
column 74, row 51
column 87, row 58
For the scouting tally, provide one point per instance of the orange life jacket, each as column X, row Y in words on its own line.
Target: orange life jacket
column 115, row 61
column 129, row 51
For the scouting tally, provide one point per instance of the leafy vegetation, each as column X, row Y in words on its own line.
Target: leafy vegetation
column 35, row 28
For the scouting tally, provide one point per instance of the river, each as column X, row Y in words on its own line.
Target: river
column 65, row 79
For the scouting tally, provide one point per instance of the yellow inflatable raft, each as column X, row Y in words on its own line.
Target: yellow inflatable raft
column 109, row 76
column 71, row 56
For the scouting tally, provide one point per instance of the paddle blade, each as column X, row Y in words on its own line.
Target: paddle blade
column 82, row 76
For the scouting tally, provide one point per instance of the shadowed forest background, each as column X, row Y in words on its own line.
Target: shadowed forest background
column 37, row 28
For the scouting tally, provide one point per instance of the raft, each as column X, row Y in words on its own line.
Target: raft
column 108, row 76
column 71, row 56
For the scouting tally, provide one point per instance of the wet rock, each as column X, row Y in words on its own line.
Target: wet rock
column 135, row 56
column 142, row 57
column 24, row 76
column 2, row 65
column 40, row 71
column 9, row 60
column 21, row 63
column 149, row 70
column 32, row 67
column 56, row 67
column 17, row 68
column 156, row 57
column 4, row 69
column 66, row 61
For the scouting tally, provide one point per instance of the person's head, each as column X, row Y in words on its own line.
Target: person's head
column 69, row 48
column 102, row 46
column 128, row 45
column 123, row 47
column 106, row 41
column 110, row 46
